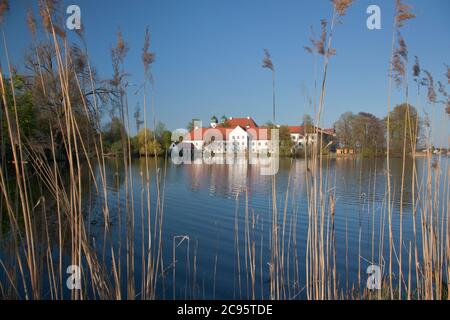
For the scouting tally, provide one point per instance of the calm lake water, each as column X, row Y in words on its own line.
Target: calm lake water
column 208, row 203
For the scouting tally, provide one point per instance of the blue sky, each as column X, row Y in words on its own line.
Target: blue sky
column 209, row 52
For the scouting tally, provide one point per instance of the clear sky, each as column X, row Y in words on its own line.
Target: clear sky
column 209, row 52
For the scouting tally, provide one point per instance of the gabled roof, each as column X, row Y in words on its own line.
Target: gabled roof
column 220, row 133
column 201, row 134
column 247, row 124
column 296, row 129
column 242, row 122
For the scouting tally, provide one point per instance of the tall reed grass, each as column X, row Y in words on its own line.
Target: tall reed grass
column 35, row 266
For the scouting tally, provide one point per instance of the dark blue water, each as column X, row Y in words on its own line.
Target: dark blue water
column 213, row 214
column 208, row 203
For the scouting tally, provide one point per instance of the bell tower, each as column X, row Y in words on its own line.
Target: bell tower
column 214, row 121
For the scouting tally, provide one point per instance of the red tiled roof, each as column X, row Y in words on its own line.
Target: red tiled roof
column 220, row 133
column 201, row 134
column 241, row 122
column 296, row 129
column 247, row 124
column 196, row 134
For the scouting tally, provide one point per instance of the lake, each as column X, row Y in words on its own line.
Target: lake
column 217, row 224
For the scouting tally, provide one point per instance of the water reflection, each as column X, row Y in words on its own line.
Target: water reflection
column 209, row 203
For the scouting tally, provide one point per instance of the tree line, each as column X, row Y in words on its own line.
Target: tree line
column 366, row 134
column 37, row 96
column 145, row 142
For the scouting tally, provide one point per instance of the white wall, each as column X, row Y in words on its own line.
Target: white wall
column 238, row 140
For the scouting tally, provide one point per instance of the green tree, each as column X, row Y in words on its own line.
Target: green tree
column 159, row 130
column 25, row 114
column 286, row 143
column 112, row 135
column 166, row 139
column 24, row 103
column 404, row 122
column 87, row 98
column 163, row 136
column 147, row 143
column 368, row 134
column 344, row 130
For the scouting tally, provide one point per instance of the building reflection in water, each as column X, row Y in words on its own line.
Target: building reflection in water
column 228, row 179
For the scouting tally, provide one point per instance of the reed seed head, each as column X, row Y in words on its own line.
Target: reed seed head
column 52, row 19
column 431, row 91
column 416, row 67
column 148, row 57
column 267, row 61
column 320, row 44
column 399, row 60
column 121, row 49
column 441, row 89
column 402, row 13
column 402, row 48
column 4, row 6
column 341, row 6
column 31, row 22
column 310, row 49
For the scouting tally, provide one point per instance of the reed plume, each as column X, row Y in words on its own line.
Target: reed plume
column 403, row 13
column 341, row 6
column 4, row 7
column 431, row 95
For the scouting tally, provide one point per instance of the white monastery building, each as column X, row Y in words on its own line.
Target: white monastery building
column 240, row 135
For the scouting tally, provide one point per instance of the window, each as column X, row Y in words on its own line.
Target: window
column 267, row 143
column 243, row 143
column 259, row 143
column 243, row 137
